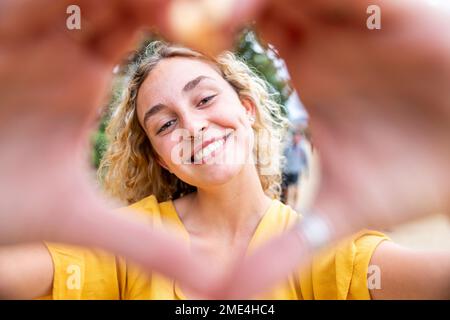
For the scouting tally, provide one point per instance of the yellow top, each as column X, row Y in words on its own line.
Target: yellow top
column 340, row 273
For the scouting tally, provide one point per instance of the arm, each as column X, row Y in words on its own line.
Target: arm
column 26, row 271
column 411, row 274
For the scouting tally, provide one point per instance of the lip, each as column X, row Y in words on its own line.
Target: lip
column 208, row 142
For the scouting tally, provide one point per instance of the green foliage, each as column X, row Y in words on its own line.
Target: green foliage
column 265, row 61
column 100, row 144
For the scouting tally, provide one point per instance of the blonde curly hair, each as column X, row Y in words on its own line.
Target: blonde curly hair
column 129, row 170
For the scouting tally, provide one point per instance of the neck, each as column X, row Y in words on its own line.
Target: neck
column 233, row 209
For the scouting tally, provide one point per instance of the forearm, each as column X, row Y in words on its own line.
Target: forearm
column 26, row 271
column 435, row 279
column 410, row 274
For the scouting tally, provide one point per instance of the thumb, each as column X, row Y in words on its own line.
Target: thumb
column 96, row 224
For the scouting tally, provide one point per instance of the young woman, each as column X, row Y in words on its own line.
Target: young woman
column 196, row 147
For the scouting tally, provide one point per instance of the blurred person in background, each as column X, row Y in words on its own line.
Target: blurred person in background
column 295, row 167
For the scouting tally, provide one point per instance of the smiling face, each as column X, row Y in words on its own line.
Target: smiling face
column 195, row 121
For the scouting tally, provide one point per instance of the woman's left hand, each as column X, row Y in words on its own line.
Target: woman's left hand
column 379, row 105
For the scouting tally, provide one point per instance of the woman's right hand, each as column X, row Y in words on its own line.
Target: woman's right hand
column 52, row 82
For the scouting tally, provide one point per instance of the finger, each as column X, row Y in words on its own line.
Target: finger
column 111, row 47
column 118, row 32
column 245, row 12
column 23, row 19
column 150, row 13
column 209, row 26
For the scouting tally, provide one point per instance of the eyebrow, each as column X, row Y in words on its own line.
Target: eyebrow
column 187, row 87
column 193, row 83
column 153, row 110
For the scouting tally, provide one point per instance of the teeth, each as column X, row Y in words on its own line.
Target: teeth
column 205, row 152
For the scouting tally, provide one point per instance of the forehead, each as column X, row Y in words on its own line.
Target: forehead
column 170, row 76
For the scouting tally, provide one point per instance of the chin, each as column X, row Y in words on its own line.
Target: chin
column 214, row 175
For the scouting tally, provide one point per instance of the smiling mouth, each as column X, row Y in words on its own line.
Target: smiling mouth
column 209, row 151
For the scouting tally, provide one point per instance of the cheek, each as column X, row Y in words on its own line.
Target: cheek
column 236, row 118
column 230, row 109
column 229, row 117
column 164, row 150
column 241, row 118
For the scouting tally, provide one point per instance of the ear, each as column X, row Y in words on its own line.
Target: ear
column 250, row 107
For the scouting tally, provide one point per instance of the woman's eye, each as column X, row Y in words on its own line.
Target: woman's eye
column 165, row 126
column 206, row 100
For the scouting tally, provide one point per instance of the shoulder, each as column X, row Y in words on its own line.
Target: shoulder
column 281, row 216
column 149, row 210
column 148, row 206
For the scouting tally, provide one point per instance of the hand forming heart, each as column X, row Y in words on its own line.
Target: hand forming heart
column 378, row 100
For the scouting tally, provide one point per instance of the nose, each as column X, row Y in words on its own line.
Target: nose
column 195, row 125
